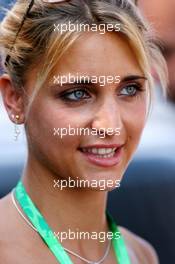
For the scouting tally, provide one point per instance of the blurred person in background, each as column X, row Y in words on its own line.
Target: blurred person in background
column 161, row 14
column 158, row 137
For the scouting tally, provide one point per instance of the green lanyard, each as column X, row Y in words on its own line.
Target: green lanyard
column 50, row 239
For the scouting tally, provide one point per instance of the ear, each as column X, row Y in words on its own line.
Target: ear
column 12, row 99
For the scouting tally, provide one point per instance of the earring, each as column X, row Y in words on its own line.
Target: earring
column 17, row 130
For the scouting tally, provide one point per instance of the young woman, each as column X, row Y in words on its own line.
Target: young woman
column 53, row 82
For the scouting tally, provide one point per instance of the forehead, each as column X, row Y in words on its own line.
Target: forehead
column 99, row 54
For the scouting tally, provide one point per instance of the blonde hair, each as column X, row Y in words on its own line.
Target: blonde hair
column 38, row 43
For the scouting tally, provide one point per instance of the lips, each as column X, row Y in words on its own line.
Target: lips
column 103, row 155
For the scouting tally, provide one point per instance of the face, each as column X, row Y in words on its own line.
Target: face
column 163, row 20
column 91, row 106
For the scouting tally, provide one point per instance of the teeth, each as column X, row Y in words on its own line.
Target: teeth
column 106, row 156
column 101, row 152
column 93, row 150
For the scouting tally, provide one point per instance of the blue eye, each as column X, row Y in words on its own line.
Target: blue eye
column 76, row 95
column 130, row 90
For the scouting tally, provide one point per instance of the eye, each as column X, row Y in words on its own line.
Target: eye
column 76, row 95
column 130, row 89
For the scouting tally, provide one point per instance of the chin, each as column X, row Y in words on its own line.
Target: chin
column 104, row 181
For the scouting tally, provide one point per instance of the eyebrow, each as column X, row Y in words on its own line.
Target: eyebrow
column 132, row 78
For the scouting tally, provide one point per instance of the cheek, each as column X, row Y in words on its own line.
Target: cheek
column 134, row 123
column 44, row 145
column 52, row 118
column 138, row 117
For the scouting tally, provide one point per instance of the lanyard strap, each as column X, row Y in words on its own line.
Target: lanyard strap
column 50, row 239
column 118, row 244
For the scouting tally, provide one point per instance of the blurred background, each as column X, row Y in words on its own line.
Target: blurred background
column 145, row 202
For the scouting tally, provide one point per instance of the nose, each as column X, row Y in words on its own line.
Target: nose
column 108, row 118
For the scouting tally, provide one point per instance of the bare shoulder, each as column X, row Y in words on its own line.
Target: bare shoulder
column 11, row 235
column 5, row 229
column 5, row 210
column 139, row 249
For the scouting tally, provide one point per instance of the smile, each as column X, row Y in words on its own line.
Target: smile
column 103, row 156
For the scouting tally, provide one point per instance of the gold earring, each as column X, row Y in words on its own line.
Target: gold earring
column 16, row 128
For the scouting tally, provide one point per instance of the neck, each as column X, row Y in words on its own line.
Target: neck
column 68, row 209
